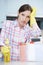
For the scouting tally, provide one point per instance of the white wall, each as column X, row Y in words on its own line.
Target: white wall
column 10, row 8
column 2, row 11
column 14, row 5
column 39, row 6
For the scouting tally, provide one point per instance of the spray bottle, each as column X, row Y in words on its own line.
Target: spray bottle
column 6, row 51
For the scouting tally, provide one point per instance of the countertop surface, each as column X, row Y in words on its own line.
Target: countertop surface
column 21, row 63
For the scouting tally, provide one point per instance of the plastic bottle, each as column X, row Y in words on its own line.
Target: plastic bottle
column 6, row 51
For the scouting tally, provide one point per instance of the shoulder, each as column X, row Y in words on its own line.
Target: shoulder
column 15, row 22
column 8, row 23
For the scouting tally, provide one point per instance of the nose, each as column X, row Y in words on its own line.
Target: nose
column 24, row 18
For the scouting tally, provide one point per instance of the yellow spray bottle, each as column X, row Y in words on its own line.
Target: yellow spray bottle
column 6, row 51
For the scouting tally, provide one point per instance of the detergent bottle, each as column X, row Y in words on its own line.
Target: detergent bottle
column 6, row 51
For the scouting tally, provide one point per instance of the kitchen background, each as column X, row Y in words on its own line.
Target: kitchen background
column 10, row 8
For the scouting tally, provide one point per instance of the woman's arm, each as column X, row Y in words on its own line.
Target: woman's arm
column 5, row 32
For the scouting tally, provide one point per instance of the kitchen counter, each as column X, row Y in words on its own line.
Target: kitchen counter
column 34, row 52
column 21, row 63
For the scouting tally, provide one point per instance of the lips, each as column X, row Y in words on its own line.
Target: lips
column 23, row 22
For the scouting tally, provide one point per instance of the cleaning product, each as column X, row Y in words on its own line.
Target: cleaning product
column 6, row 51
column 22, row 52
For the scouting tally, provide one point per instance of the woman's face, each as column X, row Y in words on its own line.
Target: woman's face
column 23, row 18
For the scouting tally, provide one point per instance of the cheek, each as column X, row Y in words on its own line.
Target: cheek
column 21, row 18
column 27, row 20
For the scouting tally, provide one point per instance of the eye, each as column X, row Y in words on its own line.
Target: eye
column 22, row 14
column 28, row 16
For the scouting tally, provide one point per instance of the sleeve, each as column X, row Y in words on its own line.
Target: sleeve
column 32, row 33
column 5, row 32
column 36, row 30
column 33, row 23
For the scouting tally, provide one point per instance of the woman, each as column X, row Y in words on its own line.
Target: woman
column 18, row 31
